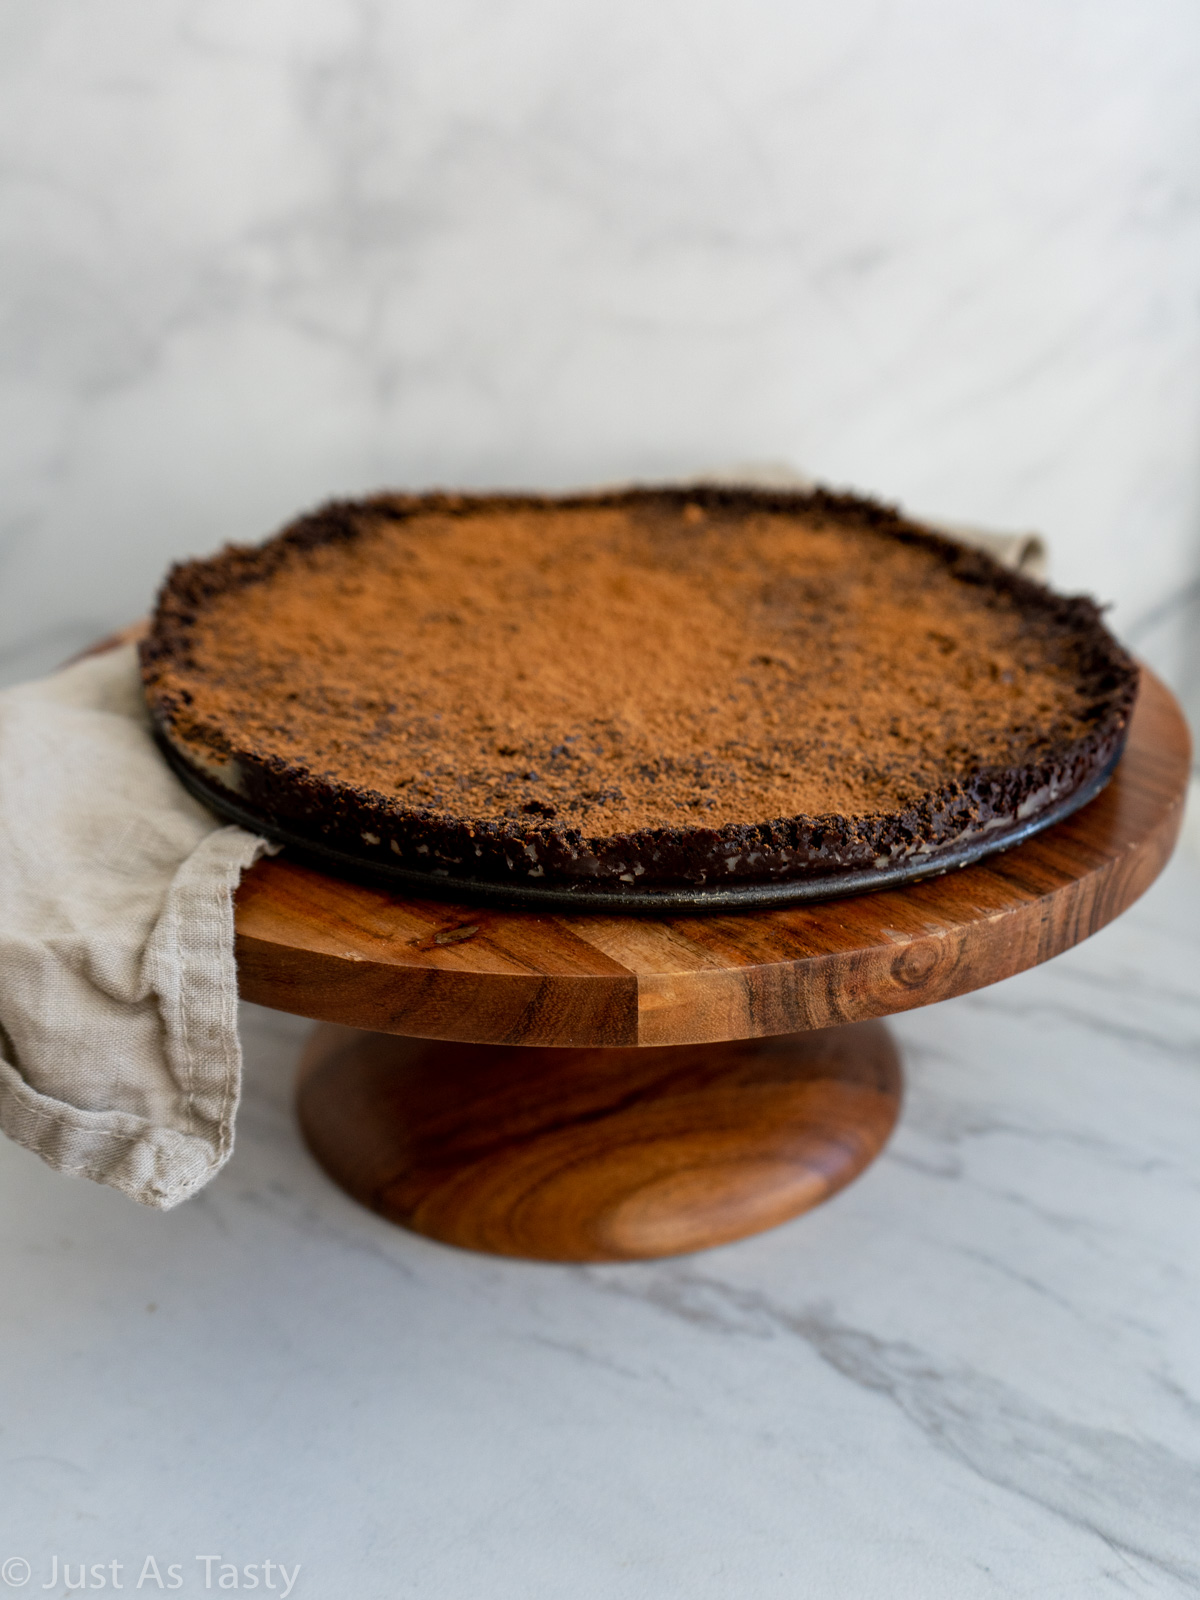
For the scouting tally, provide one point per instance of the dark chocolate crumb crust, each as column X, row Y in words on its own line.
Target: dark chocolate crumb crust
column 647, row 688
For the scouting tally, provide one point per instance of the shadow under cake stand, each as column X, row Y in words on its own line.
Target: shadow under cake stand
column 589, row 1088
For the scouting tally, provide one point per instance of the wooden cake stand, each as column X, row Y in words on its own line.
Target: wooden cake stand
column 591, row 1088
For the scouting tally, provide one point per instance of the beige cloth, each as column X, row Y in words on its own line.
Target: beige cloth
column 119, row 1051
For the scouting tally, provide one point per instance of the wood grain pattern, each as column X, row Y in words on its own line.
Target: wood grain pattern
column 596, row 1155
column 340, row 952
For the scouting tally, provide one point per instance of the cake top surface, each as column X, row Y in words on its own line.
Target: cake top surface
column 624, row 662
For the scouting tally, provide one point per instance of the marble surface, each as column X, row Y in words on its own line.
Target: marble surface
column 254, row 255
column 974, row 1374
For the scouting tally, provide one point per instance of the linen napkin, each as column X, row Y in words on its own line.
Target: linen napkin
column 119, row 1051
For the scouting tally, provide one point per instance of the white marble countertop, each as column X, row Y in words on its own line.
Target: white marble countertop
column 976, row 1373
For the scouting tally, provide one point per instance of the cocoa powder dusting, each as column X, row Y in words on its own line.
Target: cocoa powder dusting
column 625, row 666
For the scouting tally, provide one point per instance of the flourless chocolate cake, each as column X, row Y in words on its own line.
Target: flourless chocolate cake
column 655, row 687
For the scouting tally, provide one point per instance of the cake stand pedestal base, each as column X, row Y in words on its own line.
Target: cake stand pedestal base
column 597, row 1154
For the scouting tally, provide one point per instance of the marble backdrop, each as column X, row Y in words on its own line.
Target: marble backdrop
column 253, row 254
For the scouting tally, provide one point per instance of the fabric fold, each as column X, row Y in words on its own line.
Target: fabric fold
column 119, row 1052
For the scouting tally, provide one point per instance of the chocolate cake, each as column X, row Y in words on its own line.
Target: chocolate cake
column 631, row 691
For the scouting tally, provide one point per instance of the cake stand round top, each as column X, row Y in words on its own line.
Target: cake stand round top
column 335, row 950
